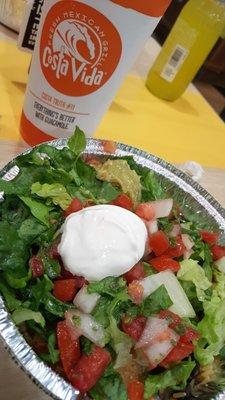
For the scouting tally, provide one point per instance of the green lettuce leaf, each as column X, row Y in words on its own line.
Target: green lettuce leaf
column 53, row 356
column 54, row 306
column 191, row 271
column 151, row 183
column 175, row 379
column 48, row 156
column 37, row 209
column 14, row 252
column 52, row 267
column 9, row 296
column 77, row 142
column 39, row 292
column 121, row 342
column 55, row 192
column 157, row 301
column 109, row 387
column 23, row 314
column 110, row 286
column 86, row 345
column 152, row 188
column 13, row 210
column 30, row 229
column 21, row 184
column 100, row 312
column 17, row 282
column 212, row 326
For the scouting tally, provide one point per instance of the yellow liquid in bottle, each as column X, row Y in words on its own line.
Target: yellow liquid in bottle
column 193, row 36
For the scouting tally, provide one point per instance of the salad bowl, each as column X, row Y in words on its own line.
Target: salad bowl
column 195, row 203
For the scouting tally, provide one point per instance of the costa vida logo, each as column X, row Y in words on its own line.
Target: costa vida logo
column 79, row 49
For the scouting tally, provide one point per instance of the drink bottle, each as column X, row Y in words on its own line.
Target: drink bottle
column 197, row 29
column 83, row 50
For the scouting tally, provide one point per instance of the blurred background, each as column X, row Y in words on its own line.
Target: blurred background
column 210, row 80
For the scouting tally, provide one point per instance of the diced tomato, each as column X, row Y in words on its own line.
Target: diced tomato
column 189, row 335
column 162, row 263
column 74, row 206
column 135, row 390
column 173, row 319
column 145, row 211
column 89, row 369
column 37, row 266
column 159, row 243
column 135, row 291
column 209, row 237
column 65, row 290
column 109, row 146
column 177, row 250
column 181, row 351
column 69, row 348
column 53, row 251
column 123, row 201
column 217, row 251
column 135, row 327
column 135, row 273
column 80, row 281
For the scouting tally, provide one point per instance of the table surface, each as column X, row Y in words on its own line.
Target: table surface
column 14, row 384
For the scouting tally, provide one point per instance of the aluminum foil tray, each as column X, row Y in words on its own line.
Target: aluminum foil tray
column 194, row 201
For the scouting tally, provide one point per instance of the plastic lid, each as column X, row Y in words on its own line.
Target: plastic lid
column 153, row 8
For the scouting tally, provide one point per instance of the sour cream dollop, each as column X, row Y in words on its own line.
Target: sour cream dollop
column 101, row 241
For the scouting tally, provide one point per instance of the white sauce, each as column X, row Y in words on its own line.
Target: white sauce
column 101, row 241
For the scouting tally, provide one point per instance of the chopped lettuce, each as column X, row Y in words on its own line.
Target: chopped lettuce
column 109, row 387
column 30, row 229
column 175, row 379
column 77, row 142
column 54, row 306
column 17, row 282
column 38, row 209
column 53, row 356
column 191, row 271
column 13, row 250
column 155, row 302
column 9, row 295
column 55, row 192
column 119, row 173
column 122, row 343
column 152, row 188
column 23, row 314
column 212, row 326
column 109, row 285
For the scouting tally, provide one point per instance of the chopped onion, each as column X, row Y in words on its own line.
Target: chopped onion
column 87, row 326
column 181, row 304
column 188, row 242
column 157, row 340
column 162, row 208
column 154, row 326
column 156, row 352
column 175, row 231
column 221, row 264
column 187, row 254
column 152, row 226
column 84, row 301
